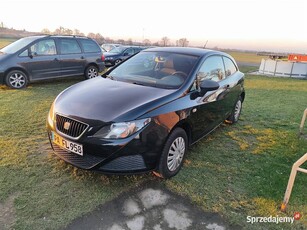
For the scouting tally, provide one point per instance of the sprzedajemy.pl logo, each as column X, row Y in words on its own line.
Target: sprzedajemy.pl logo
column 273, row 219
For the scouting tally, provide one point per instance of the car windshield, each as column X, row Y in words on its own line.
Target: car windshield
column 117, row 50
column 17, row 45
column 157, row 69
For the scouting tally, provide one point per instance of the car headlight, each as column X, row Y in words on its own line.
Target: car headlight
column 121, row 130
column 51, row 114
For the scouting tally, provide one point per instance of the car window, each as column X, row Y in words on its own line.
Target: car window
column 89, row 46
column 69, row 46
column 129, row 52
column 212, row 69
column 230, row 67
column 43, row 47
column 25, row 53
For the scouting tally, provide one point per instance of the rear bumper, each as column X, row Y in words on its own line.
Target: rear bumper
column 101, row 66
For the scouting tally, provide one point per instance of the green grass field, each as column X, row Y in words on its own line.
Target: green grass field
column 6, row 41
column 237, row 170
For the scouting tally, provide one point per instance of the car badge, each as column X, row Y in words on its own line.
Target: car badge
column 66, row 125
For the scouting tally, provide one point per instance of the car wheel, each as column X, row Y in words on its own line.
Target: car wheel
column 91, row 72
column 173, row 153
column 236, row 112
column 16, row 79
column 117, row 61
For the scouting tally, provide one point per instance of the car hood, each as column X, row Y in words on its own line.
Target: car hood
column 4, row 56
column 105, row 100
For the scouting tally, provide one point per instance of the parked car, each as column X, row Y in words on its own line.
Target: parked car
column 45, row 57
column 110, row 46
column 119, row 54
column 143, row 114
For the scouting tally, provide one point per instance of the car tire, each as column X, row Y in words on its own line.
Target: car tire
column 117, row 61
column 173, row 154
column 16, row 79
column 236, row 112
column 91, row 72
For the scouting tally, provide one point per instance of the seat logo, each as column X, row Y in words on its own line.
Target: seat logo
column 66, row 125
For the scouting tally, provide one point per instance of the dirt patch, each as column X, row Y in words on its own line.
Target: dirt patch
column 7, row 213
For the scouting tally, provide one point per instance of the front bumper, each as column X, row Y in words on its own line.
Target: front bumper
column 129, row 155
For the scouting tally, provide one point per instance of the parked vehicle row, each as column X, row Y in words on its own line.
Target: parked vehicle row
column 46, row 57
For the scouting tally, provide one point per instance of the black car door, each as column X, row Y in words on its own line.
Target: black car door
column 43, row 60
column 212, row 108
column 71, row 57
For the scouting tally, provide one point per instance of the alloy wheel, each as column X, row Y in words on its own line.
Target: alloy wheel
column 17, row 80
column 92, row 73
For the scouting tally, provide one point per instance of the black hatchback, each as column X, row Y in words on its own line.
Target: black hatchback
column 45, row 57
column 143, row 114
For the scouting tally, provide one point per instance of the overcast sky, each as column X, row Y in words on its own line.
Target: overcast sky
column 273, row 25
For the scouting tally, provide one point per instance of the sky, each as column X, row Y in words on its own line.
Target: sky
column 262, row 25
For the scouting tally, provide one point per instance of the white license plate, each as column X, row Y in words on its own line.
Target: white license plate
column 66, row 144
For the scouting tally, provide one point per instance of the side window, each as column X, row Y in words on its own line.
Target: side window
column 69, row 46
column 89, row 46
column 24, row 53
column 212, row 69
column 230, row 67
column 129, row 51
column 43, row 47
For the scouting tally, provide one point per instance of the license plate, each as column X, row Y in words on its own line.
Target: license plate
column 66, row 144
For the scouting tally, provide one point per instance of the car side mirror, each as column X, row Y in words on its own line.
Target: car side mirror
column 208, row 85
column 126, row 54
column 204, row 87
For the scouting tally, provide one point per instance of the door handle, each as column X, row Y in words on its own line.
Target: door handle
column 56, row 59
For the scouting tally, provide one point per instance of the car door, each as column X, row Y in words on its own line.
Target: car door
column 211, row 109
column 43, row 60
column 127, row 53
column 71, row 57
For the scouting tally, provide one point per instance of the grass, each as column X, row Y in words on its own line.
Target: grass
column 237, row 170
column 246, row 57
column 6, row 41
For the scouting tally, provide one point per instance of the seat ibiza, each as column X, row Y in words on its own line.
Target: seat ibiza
column 143, row 114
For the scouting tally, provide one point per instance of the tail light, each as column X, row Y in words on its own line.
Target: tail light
column 102, row 57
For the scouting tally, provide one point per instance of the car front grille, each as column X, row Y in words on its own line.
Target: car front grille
column 86, row 161
column 69, row 126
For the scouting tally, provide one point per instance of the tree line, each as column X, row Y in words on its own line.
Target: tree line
column 165, row 41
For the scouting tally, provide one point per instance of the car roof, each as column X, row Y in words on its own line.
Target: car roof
column 185, row 50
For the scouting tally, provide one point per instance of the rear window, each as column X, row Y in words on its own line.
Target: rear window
column 89, row 46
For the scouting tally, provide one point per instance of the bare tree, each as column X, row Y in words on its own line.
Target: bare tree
column 182, row 42
column 46, row 31
column 59, row 30
column 146, row 42
column 91, row 35
column 129, row 42
column 78, row 32
column 99, row 38
column 164, row 41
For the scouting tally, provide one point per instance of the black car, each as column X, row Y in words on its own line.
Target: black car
column 119, row 54
column 45, row 57
column 143, row 114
